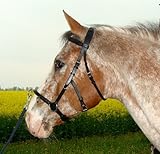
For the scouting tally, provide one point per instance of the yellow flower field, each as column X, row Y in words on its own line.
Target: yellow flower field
column 12, row 102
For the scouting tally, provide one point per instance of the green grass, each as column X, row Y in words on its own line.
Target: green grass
column 131, row 143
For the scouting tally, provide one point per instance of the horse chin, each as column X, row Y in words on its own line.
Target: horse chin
column 42, row 132
column 46, row 129
column 38, row 128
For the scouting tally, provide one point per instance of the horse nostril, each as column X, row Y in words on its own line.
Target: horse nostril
column 33, row 133
column 45, row 125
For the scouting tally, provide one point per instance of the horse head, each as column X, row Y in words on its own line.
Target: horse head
column 67, row 90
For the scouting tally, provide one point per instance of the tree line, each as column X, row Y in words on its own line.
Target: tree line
column 16, row 88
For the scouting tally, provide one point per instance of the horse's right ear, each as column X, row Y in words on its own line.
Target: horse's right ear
column 75, row 27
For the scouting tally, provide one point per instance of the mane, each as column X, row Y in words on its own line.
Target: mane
column 149, row 31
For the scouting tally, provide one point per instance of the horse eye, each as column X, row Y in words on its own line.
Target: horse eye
column 58, row 64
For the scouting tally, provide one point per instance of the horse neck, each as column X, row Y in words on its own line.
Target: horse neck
column 131, row 73
column 124, row 63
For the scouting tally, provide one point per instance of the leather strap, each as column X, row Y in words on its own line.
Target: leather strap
column 54, row 105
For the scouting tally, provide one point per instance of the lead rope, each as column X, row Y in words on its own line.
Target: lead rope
column 20, row 119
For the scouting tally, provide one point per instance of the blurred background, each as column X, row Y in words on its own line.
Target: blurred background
column 30, row 31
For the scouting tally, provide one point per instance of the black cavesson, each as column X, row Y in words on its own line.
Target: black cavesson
column 85, row 46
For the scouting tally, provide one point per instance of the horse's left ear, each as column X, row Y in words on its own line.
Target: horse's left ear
column 75, row 27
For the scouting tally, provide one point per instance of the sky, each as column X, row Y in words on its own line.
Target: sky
column 30, row 31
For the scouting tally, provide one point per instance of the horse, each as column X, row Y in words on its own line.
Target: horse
column 96, row 63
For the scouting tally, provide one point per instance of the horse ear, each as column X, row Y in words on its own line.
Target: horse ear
column 75, row 27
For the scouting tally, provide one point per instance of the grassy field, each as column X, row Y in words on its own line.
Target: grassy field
column 130, row 143
column 107, row 128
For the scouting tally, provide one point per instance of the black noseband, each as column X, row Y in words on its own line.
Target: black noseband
column 53, row 106
column 85, row 46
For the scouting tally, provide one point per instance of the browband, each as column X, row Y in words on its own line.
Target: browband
column 76, row 41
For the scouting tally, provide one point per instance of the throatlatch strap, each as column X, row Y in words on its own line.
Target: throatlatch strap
column 91, row 77
column 85, row 46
